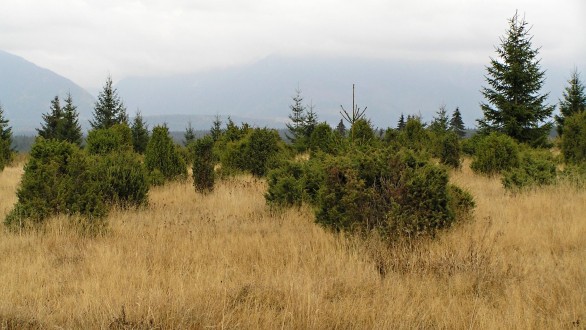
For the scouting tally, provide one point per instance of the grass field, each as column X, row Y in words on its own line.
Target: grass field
column 225, row 261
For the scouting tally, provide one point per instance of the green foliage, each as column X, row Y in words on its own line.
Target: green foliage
column 203, row 164
column 362, row 132
column 322, row 139
column 414, row 136
column 109, row 109
column 574, row 138
column 123, row 178
column 574, row 101
column 61, row 123
column 494, row 154
column 57, row 180
column 255, row 153
column 395, row 193
column 457, row 124
column 450, row 150
column 189, row 135
column 515, row 106
column 5, row 141
column 537, row 168
column 140, row 134
column 60, row 178
column 106, row 140
column 161, row 154
column 470, row 144
column 216, row 129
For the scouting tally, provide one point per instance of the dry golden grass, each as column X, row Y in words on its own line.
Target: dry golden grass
column 225, row 261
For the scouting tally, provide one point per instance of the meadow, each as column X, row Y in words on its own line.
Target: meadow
column 225, row 260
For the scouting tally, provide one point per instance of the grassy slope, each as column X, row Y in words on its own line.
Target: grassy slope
column 224, row 260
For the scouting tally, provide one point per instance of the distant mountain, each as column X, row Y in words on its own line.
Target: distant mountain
column 263, row 90
column 26, row 91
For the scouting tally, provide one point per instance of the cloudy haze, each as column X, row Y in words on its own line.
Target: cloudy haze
column 85, row 40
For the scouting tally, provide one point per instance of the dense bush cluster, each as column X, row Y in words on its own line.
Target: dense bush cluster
column 203, row 164
column 60, row 178
column 163, row 159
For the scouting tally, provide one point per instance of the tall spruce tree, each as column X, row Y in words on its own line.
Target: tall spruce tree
column 5, row 140
column 140, row 133
column 216, row 129
column 574, row 100
column 70, row 130
column 515, row 107
column 109, row 109
column 457, row 124
column 297, row 125
column 52, row 121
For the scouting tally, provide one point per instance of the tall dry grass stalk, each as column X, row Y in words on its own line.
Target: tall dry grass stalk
column 225, row 261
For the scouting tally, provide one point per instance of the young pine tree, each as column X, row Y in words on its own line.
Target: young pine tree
column 70, row 130
column 52, row 121
column 401, row 123
column 109, row 109
column 440, row 124
column 216, row 130
column 5, row 141
column 189, row 135
column 514, row 105
column 574, row 101
column 457, row 124
column 140, row 133
column 298, row 119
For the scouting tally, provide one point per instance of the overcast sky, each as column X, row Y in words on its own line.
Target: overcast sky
column 85, row 40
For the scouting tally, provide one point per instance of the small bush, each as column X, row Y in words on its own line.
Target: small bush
column 450, row 150
column 536, row 169
column 107, row 140
column 163, row 155
column 574, row 138
column 494, row 154
column 256, row 153
column 59, row 178
column 203, row 164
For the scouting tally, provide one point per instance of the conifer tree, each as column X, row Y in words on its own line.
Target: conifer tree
column 52, row 121
column 109, row 109
column 514, row 105
column 5, row 140
column 574, row 100
column 140, row 133
column 310, row 122
column 216, row 130
column 341, row 128
column 297, row 126
column 189, row 135
column 70, row 130
column 457, row 124
column 440, row 123
column 401, row 123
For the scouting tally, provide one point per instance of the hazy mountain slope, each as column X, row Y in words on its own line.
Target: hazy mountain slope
column 26, row 91
column 264, row 89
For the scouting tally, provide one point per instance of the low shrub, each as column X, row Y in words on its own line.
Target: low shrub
column 450, row 150
column 163, row 155
column 574, row 138
column 494, row 154
column 203, row 164
column 107, row 140
column 537, row 168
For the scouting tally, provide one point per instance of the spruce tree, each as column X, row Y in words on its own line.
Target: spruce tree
column 457, row 124
column 5, row 140
column 216, row 130
column 401, row 123
column 70, row 129
column 440, row 123
column 574, row 100
column 297, row 126
column 341, row 128
column 140, row 133
column 109, row 109
column 189, row 135
column 52, row 121
column 310, row 122
column 514, row 105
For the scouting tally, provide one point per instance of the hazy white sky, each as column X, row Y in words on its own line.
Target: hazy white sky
column 85, row 40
